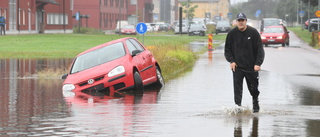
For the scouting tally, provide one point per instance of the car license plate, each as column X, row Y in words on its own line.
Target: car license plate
column 94, row 88
column 223, row 29
column 196, row 32
column 271, row 40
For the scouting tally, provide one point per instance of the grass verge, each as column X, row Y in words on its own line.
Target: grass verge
column 170, row 51
column 304, row 35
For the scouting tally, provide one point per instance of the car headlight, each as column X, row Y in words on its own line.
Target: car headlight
column 280, row 37
column 68, row 87
column 116, row 71
column 263, row 37
column 68, row 93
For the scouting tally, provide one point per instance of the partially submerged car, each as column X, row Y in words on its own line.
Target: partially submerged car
column 119, row 65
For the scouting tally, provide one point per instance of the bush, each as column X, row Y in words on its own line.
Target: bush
column 314, row 39
column 87, row 30
column 210, row 28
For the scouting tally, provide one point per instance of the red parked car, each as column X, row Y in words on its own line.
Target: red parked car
column 111, row 67
column 275, row 35
column 129, row 30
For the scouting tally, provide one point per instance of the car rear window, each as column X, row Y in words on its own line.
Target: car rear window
column 273, row 30
column 98, row 57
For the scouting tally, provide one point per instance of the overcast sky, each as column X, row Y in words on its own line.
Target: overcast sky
column 237, row 1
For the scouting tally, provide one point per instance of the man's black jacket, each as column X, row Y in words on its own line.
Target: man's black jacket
column 244, row 48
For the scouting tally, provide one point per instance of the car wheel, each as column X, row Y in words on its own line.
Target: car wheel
column 190, row 34
column 312, row 29
column 138, row 85
column 283, row 44
column 288, row 43
column 266, row 45
column 160, row 80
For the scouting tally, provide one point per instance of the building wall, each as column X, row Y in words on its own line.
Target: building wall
column 216, row 8
column 22, row 17
column 91, row 8
column 56, row 10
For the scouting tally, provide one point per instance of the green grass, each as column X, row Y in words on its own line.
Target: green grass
column 69, row 45
column 303, row 34
column 169, row 49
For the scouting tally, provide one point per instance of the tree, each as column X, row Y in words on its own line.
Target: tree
column 189, row 9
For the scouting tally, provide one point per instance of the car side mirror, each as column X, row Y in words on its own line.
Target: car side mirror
column 64, row 76
column 135, row 52
column 287, row 31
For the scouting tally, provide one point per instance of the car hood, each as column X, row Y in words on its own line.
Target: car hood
column 93, row 72
column 272, row 34
column 128, row 29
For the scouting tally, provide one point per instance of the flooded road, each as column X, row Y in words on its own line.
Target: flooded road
column 200, row 103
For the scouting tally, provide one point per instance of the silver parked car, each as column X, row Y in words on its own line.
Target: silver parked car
column 184, row 28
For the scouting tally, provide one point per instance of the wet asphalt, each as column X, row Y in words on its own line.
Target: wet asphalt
column 199, row 103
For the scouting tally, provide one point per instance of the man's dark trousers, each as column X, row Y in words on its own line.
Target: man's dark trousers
column 2, row 28
column 252, row 79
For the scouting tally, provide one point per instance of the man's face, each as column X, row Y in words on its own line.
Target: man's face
column 241, row 23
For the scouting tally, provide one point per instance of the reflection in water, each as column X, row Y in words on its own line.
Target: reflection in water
column 309, row 96
column 238, row 127
column 37, row 107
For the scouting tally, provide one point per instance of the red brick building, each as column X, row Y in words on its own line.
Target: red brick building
column 104, row 14
column 37, row 16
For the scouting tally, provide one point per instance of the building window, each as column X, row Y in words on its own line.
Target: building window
column 24, row 17
column 105, row 2
column 56, row 19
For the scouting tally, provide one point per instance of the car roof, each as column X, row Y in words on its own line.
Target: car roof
column 104, row 44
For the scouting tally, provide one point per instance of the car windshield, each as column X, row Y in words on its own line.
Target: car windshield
column 223, row 23
column 129, row 27
column 274, row 22
column 273, row 30
column 196, row 26
column 98, row 57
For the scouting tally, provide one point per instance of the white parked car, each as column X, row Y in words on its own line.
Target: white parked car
column 184, row 28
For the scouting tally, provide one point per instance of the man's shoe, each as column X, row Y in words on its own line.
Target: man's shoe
column 256, row 106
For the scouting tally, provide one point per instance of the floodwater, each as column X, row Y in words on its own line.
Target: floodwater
column 200, row 103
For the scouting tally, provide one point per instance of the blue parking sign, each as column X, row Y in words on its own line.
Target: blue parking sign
column 141, row 28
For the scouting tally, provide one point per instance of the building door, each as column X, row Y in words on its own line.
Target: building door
column 40, row 19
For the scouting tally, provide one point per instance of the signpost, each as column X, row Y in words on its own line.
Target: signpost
column 301, row 14
column 230, row 15
column 258, row 12
column 318, row 15
column 141, row 28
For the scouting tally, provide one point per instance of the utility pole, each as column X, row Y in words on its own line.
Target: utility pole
column 119, row 30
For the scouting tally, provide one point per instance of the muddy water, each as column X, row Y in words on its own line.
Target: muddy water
column 198, row 104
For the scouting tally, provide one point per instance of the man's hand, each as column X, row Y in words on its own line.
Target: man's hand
column 233, row 66
column 257, row 68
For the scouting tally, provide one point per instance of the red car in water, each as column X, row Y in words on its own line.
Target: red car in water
column 111, row 67
column 275, row 35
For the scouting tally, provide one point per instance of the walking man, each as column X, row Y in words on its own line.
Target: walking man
column 2, row 25
column 244, row 51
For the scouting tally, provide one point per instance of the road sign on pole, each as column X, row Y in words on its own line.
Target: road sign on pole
column 77, row 15
column 141, row 28
column 318, row 13
column 301, row 13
